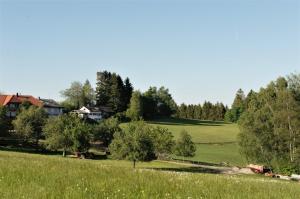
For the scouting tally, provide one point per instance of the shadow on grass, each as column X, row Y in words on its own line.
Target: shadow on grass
column 21, row 148
column 182, row 122
column 27, row 149
column 195, row 162
column 190, row 170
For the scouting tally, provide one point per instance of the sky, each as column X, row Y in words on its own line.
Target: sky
column 200, row 50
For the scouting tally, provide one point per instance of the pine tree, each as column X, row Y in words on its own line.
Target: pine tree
column 127, row 93
column 103, row 88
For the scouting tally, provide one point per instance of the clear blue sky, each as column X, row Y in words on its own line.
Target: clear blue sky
column 201, row 50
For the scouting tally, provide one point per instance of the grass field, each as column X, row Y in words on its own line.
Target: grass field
column 40, row 176
column 216, row 141
column 202, row 131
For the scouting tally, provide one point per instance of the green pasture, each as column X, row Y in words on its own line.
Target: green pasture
column 39, row 176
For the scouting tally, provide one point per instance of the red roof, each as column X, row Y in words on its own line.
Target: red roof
column 6, row 99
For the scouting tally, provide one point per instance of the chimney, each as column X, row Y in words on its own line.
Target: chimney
column 17, row 94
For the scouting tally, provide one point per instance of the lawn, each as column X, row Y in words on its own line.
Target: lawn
column 39, row 176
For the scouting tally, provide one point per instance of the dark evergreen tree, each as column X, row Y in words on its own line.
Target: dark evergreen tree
column 116, row 91
column 111, row 91
column 127, row 93
column 103, row 88
column 158, row 102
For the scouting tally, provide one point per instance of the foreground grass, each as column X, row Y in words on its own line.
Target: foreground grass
column 38, row 176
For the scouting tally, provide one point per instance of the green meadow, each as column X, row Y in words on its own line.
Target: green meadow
column 216, row 141
column 40, row 176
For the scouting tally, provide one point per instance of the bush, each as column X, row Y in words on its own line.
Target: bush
column 185, row 146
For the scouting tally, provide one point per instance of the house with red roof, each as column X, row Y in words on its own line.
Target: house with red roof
column 13, row 102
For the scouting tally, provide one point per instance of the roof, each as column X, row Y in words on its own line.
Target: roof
column 96, row 109
column 101, row 109
column 50, row 103
column 106, row 109
column 6, row 99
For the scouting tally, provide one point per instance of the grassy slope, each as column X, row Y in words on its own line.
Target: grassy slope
column 201, row 131
column 216, row 141
column 37, row 176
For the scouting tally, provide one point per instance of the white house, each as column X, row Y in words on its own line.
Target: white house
column 91, row 113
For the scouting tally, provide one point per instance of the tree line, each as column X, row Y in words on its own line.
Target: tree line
column 118, row 94
column 207, row 111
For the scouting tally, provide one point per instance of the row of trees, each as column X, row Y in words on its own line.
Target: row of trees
column 270, row 124
column 141, row 142
column 69, row 133
column 111, row 91
column 208, row 111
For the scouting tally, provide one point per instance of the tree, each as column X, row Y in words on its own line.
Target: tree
column 150, row 103
column 116, row 91
column 106, row 130
column 79, row 95
column 103, row 88
column 198, row 112
column 158, row 102
column 112, row 91
column 80, row 135
column 184, row 145
column 135, row 110
column 134, row 143
column 56, row 134
column 4, row 122
column 294, row 85
column 270, row 127
column 29, row 123
column 182, row 111
column 162, row 141
column 88, row 94
column 74, row 94
column 166, row 104
column 127, row 93
column 206, row 110
column 67, row 132
column 237, row 108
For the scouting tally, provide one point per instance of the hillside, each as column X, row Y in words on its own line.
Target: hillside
column 39, row 176
column 216, row 141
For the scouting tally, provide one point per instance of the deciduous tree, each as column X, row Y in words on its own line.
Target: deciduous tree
column 135, row 110
column 134, row 143
column 29, row 123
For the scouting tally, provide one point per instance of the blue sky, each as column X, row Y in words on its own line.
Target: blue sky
column 201, row 50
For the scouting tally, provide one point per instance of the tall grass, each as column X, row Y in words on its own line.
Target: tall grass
column 38, row 176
